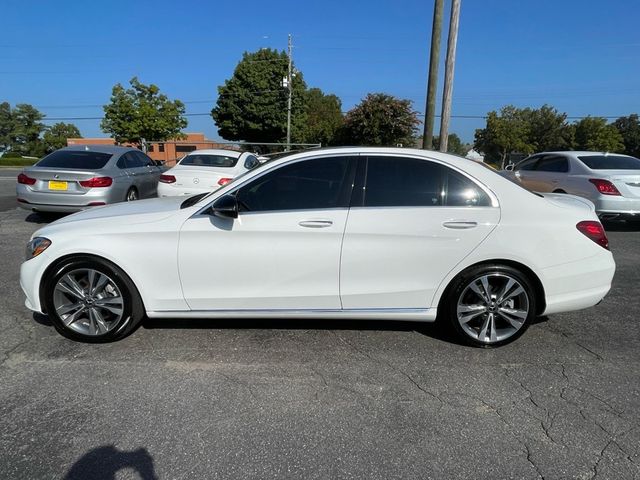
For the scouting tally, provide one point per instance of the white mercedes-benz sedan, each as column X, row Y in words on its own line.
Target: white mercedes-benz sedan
column 204, row 171
column 367, row 233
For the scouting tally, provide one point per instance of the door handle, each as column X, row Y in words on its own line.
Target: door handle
column 315, row 223
column 460, row 225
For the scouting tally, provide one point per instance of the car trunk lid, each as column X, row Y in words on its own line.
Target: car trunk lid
column 51, row 180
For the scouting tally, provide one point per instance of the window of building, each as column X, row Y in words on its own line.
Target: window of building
column 161, row 147
column 185, row 148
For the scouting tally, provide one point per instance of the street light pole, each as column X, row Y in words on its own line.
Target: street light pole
column 448, row 75
column 290, row 87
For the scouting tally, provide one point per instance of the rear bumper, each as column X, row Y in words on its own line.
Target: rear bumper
column 64, row 202
column 578, row 285
column 170, row 190
column 610, row 207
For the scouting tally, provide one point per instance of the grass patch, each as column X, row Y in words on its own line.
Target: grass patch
column 17, row 162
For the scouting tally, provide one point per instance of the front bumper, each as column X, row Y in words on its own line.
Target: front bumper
column 31, row 272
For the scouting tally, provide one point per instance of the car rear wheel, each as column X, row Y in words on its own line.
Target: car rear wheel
column 132, row 195
column 490, row 305
column 92, row 300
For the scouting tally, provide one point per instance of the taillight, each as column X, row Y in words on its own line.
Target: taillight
column 97, row 182
column 595, row 231
column 605, row 187
column 223, row 181
column 167, row 179
column 25, row 180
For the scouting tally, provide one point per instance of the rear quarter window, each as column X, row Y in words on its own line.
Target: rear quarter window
column 75, row 160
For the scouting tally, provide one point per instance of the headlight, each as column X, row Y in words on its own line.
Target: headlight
column 36, row 246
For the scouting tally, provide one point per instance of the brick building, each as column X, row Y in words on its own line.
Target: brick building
column 169, row 151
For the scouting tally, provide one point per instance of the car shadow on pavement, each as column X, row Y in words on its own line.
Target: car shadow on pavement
column 432, row 330
column 42, row 217
column 103, row 463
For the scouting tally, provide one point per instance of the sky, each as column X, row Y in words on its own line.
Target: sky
column 580, row 56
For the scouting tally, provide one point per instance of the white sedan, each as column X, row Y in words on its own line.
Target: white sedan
column 368, row 233
column 204, row 171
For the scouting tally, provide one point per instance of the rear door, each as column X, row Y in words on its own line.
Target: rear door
column 138, row 173
column 411, row 221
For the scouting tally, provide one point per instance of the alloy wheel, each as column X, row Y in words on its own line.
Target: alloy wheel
column 88, row 302
column 132, row 195
column 492, row 308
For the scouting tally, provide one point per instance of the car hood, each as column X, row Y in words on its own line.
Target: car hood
column 117, row 217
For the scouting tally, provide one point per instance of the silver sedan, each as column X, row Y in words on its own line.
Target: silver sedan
column 84, row 176
column 611, row 181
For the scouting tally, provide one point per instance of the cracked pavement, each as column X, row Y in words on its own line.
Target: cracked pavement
column 320, row 399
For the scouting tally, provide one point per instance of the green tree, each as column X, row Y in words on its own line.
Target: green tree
column 324, row 117
column 454, row 145
column 27, row 126
column 593, row 133
column 505, row 133
column 142, row 112
column 6, row 126
column 629, row 128
column 252, row 104
column 55, row 137
column 548, row 129
column 380, row 119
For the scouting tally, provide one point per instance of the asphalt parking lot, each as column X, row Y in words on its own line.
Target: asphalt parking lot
column 287, row 399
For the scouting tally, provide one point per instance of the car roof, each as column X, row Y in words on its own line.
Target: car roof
column 582, row 153
column 216, row 151
column 112, row 149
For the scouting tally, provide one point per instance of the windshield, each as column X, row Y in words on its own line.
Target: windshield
column 75, row 160
column 207, row 160
column 610, row 162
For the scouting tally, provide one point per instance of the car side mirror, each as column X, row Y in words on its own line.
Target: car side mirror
column 509, row 167
column 225, row 207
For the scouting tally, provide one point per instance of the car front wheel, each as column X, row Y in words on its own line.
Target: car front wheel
column 92, row 300
column 490, row 305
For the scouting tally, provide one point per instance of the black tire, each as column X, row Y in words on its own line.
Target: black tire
column 132, row 306
column 132, row 195
column 559, row 191
column 448, row 309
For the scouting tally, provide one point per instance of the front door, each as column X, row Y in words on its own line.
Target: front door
column 283, row 250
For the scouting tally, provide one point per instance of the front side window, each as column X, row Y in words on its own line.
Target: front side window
column 528, row 164
column 553, row 164
column 408, row 182
column 146, row 161
column 318, row 183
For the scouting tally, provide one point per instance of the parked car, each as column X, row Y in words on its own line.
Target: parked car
column 83, row 176
column 369, row 233
column 204, row 171
column 610, row 180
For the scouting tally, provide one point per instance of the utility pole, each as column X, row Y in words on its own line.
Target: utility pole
column 448, row 75
column 432, row 83
column 290, row 86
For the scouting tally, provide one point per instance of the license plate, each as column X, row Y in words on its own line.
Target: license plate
column 55, row 185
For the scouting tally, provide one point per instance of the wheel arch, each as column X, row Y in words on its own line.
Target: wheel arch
column 531, row 275
column 53, row 266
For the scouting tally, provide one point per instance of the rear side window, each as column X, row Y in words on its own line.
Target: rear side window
column 553, row 164
column 75, row 160
column 309, row 184
column 131, row 160
column 202, row 160
column 408, row 182
column 610, row 162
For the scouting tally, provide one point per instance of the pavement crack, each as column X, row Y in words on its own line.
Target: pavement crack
column 595, row 354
